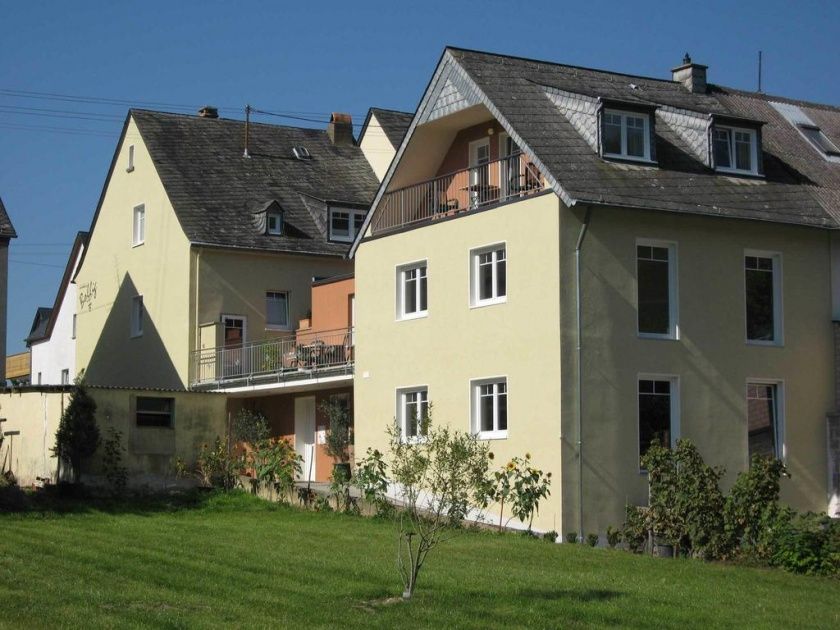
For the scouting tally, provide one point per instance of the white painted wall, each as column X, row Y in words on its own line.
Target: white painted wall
column 51, row 356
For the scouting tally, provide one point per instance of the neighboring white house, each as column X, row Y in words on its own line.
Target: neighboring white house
column 52, row 340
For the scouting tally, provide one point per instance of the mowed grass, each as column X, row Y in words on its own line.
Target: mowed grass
column 235, row 560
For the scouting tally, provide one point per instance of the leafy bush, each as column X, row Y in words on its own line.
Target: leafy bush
column 523, row 486
column 339, row 435
column 592, row 540
column 571, row 537
column 635, row 531
column 216, row 467
column 550, row 536
column 372, row 481
column 276, row 464
column 321, row 504
column 613, row 536
column 116, row 474
column 77, row 437
column 250, row 427
column 340, row 489
column 806, row 543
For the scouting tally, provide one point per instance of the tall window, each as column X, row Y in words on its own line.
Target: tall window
column 130, row 166
column 65, row 377
column 489, row 275
column 137, row 315
column 735, row 149
column 762, row 281
column 489, row 408
column 345, row 224
column 412, row 293
column 275, row 223
column 656, row 289
column 658, row 413
column 154, row 412
column 139, row 227
column 277, row 309
column 413, row 411
column 73, row 333
column 626, row 135
column 764, row 420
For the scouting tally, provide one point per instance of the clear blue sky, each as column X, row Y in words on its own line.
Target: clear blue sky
column 318, row 57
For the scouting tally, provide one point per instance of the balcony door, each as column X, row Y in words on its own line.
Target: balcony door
column 233, row 356
column 479, row 172
column 510, row 167
column 305, row 436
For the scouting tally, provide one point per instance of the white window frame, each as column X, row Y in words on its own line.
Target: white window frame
column 278, row 229
column 674, row 379
column 137, row 316
column 400, row 274
column 65, row 376
column 673, row 288
column 732, row 153
column 351, row 213
column 474, row 256
column 73, row 330
column 624, row 114
column 778, row 307
column 475, row 408
column 138, row 225
column 781, row 447
column 272, row 326
column 402, row 417
column 130, row 166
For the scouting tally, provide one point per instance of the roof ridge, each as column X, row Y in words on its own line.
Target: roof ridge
column 763, row 96
column 141, row 110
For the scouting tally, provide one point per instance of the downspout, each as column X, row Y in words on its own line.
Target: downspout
column 194, row 360
column 578, row 246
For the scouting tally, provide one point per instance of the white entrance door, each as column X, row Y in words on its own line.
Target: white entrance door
column 305, row 436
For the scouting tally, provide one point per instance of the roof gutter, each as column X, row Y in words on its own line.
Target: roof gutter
column 579, row 420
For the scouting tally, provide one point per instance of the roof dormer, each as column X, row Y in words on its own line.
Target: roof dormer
column 627, row 132
column 735, row 146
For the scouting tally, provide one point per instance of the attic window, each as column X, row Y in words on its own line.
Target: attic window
column 816, row 137
column 345, row 224
column 130, row 166
column 275, row 223
column 735, row 149
column 301, row 153
column 626, row 135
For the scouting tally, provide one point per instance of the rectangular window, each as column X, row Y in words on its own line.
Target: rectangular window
column 154, row 412
column 626, row 135
column 656, row 288
column 413, row 411
column 345, row 224
column 277, row 309
column 489, row 275
column 735, row 150
column 816, row 137
column 139, row 227
column 762, row 279
column 275, row 223
column 137, row 315
column 764, row 425
column 130, row 166
column 39, row 378
column 65, row 377
column 73, row 333
column 658, row 413
column 489, row 408
column 412, row 291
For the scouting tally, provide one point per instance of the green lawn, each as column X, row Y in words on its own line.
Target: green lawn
column 236, row 560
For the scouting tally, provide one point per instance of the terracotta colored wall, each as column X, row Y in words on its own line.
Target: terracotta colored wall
column 331, row 305
column 323, row 462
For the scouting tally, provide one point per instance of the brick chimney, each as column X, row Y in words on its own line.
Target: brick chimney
column 340, row 129
column 208, row 112
column 691, row 75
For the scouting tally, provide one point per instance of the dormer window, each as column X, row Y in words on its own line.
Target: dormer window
column 735, row 149
column 815, row 136
column 345, row 224
column 626, row 135
column 275, row 223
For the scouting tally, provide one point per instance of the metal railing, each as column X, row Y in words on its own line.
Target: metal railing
column 492, row 182
column 302, row 356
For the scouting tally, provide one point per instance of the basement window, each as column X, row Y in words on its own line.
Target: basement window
column 155, row 412
column 735, row 149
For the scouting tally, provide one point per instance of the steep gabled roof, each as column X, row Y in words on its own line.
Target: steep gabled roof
column 7, row 230
column 38, row 330
column 394, row 123
column 218, row 195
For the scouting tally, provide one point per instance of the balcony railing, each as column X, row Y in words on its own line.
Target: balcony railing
column 462, row 191
column 275, row 360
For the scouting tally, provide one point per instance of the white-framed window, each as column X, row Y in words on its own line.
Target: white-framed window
column 763, row 297
column 735, row 149
column 626, row 135
column 488, row 275
column 130, row 166
column 412, row 291
column 656, row 289
column 138, row 234
column 765, row 419
column 137, row 316
column 658, row 411
column 345, row 224
column 274, row 222
column 65, row 376
column 39, row 378
column 277, row 310
column 154, row 412
column 413, row 411
column 73, row 332
column 489, row 408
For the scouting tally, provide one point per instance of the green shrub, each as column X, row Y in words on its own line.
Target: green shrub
column 522, row 486
column 250, row 427
column 550, row 536
column 613, row 536
column 116, row 474
column 77, row 436
column 372, row 481
column 571, row 537
column 592, row 540
column 635, row 531
column 215, row 466
column 321, row 504
column 276, row 464
column 806, row 543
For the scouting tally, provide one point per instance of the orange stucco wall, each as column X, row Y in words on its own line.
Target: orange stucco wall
column 331, row 305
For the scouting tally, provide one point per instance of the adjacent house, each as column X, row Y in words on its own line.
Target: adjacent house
column 381, row 135
column 7, row 232
column 52, row 339
column 576, row 263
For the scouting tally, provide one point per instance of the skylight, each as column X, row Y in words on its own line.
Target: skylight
column 301, row 153
column 816, row 137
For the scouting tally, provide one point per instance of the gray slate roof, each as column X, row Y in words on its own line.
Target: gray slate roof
column 798, row 187
column 218, row 194
column 38, row 331
column 394, row 123
column 7, row 230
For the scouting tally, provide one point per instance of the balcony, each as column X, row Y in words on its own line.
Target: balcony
column 305, row 356
column 489, row 183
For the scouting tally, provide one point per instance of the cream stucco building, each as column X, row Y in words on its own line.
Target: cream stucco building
column 575, row 263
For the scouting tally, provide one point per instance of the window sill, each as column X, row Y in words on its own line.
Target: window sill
column 492, row 435
column 656, row 336
column 278, row 328
column 130, row 169
column 133, row 245
column 492, row 302
column 734, row 171
column 410, row 316
column 629, row 159
column 765, row 344
column 144, row 427
column 135, row 335
column 340, row 239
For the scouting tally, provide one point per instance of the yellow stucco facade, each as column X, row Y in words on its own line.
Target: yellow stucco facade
column 377, row 148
